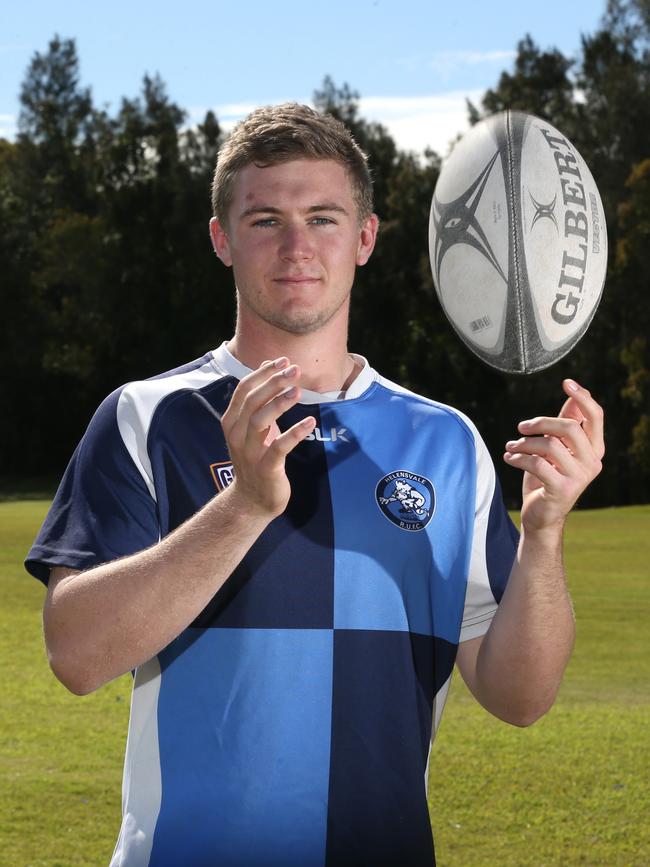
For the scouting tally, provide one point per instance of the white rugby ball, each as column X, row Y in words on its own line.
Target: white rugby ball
column 518, row 242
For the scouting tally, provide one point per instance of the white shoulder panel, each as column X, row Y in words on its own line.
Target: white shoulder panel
column 137, row 405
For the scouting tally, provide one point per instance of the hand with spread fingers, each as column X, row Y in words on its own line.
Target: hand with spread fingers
column 560, row 457
column 257, row 448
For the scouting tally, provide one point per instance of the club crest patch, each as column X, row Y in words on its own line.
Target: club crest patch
column 223, row 473
column 406, row 499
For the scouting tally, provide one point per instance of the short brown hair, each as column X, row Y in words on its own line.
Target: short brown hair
column 278, row 133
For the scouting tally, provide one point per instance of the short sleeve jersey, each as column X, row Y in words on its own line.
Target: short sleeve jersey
column 291, row 722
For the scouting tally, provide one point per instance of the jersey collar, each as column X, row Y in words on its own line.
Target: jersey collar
column 225, row 362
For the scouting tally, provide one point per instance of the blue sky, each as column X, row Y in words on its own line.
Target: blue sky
column 414, row 63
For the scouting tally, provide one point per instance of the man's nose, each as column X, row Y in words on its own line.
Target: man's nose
column 296, row 244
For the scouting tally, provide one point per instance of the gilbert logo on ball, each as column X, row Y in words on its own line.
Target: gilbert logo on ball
column 517, row 242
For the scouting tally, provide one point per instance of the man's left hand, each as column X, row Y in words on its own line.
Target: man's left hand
column 560, row 457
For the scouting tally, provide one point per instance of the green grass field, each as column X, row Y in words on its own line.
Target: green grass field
column 572, row 789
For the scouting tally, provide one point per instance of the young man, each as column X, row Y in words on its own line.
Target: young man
column 293, row 636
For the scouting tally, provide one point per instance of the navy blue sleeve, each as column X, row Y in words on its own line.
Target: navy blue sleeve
column 501, row 544
column 102, row 510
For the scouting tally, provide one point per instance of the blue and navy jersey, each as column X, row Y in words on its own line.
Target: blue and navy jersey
column 291, row 722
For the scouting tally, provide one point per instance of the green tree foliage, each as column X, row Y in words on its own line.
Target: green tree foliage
column 615, row 82
column 107, row 263
column 540, row 84
column 373, row 138
column 108, row 272
column 21, row 326
column 632, row 267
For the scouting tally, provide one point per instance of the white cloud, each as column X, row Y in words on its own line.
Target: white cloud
column 474, row 57
column 233, row 111
column 229, row 113
column 446, row 63
column 8, row 126
column 418, row 122
column 415, row 122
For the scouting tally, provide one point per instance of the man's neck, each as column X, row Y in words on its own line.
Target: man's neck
column 324, row 360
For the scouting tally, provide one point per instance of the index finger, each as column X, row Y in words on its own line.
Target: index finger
column 252, row 380
column 582, row 407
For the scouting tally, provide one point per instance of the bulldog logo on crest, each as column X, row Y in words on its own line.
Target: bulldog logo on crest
column 406, row 499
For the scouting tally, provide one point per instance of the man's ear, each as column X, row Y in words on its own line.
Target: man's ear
column 220, row 241
column 367, row 238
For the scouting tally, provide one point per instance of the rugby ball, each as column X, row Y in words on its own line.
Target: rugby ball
column 517, row 242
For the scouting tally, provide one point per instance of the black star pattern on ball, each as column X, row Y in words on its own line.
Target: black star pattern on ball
column 456, row 223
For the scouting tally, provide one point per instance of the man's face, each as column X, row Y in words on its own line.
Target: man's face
column 294, row 240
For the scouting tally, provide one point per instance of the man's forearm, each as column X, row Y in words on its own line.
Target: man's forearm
column 105, row 621
column 523, row 656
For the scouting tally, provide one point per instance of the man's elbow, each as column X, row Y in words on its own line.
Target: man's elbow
column 523, row 720
column 76, row 678
column 526, row 714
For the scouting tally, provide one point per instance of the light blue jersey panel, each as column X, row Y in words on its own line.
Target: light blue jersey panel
column 390, row 572
column 252, row 789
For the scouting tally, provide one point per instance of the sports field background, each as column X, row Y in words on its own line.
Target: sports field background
column 574, row 789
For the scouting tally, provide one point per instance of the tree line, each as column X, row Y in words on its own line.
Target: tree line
column 107, row 273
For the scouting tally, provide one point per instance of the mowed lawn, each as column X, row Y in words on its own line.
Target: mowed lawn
column 572, row 789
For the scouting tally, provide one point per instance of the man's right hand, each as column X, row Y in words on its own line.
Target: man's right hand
column 257, row 448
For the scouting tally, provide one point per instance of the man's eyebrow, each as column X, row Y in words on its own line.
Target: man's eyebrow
column 312, row 209
column 258, row 209
column 327, row 206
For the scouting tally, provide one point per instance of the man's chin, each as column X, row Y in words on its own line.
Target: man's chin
column 302, row 322
column 297, row 318
column 299, row 326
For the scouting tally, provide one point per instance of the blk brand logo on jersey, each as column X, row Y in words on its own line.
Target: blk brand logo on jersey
column 223, row 473
column 331, row 436
column 406, row 499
